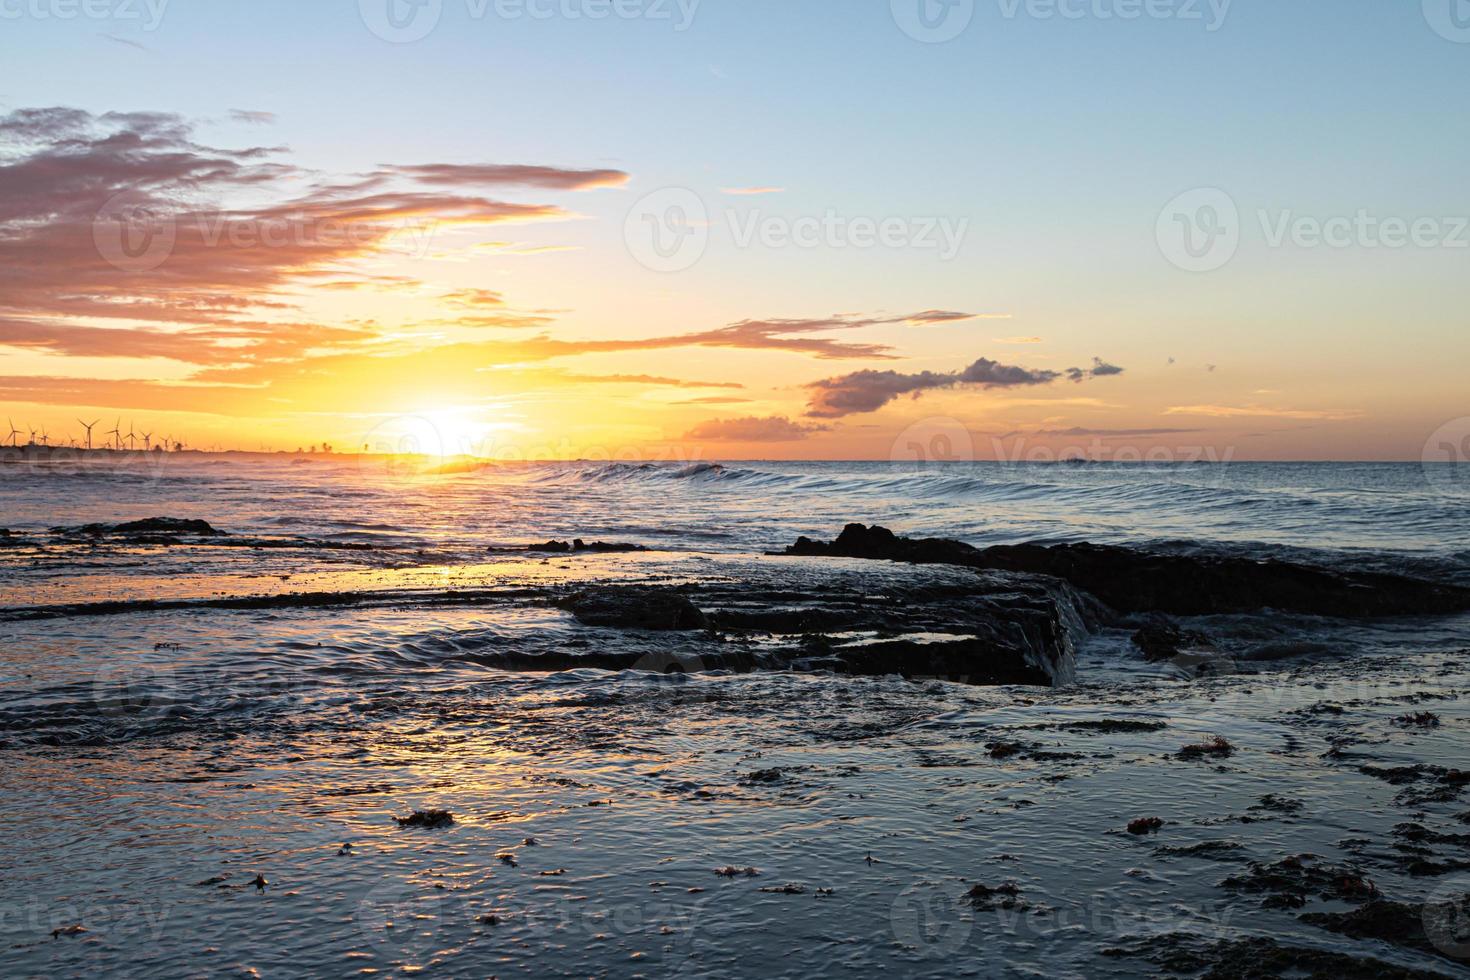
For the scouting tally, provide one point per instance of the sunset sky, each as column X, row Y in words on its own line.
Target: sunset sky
column 737, row 228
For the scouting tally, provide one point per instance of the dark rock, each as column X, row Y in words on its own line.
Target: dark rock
column 1193, row 585
column 635, row 607
column 985, row 898
column 1183, row 954
column 1112, row 726
column 1293, row 881
column 153, row 525
column 579, row 547
column 879, row 543
column 1399, row 923
column 1162, row 639
column 1145, row 826
column 1005, row 750
column 1216, row 747
column 1209, row 850
column 1136, row 581
column 427, row 819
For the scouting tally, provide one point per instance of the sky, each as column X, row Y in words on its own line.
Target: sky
column 743, row 229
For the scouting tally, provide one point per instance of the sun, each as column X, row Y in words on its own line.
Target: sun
column 436, row 433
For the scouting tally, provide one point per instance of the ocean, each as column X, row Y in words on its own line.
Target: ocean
column 183, row 712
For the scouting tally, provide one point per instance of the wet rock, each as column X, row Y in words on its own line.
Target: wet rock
column 763, row 777
column 1195, row 585
column 1163, row 639
column 635, row 607
column 1136, row 581
column 1183, row 954
column 1278, row 804
column 1145, row 825
column 879, row 543
column 1216, row 748
column 1421, row 719
column 579, row 547
column 1210, row 850
column 1399, row 923
column 1004, row 750
column 731, row 871
column 1112, row 726
column 1292, row 882
column 785, row 890
column 1003, row 896
column 153, row 525
column 1422, row 783
column 427, row 819
column 76, row 929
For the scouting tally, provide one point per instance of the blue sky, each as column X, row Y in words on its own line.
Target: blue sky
column 1056, row 140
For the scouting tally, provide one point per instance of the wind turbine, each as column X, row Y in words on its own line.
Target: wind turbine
column 147, row 441
column 116, row 434
column 132, row 439
column 33, row 435
column 45, row 438
column 89, row 432
column 14, row 432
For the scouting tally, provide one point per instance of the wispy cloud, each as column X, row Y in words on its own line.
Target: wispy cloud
column 1113, row 433
column 772, row 429
column 254, row 117
column 868, row 391
column 1264, row 411
column 751, row 191
column 129, row 43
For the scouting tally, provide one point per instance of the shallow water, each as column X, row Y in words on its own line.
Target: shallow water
column 155, row 761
